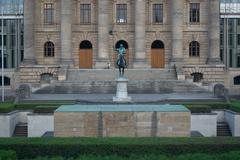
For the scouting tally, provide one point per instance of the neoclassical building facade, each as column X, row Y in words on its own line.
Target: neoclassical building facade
column 158, row 34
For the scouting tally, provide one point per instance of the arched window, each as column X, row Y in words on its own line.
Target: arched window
column 85, row 45
column 46, row 77
column 197, row 77
column 7, row 81
column 194, row 49
column 49, row 49
column 124, row 43
column 157, row 45
column 237, row 80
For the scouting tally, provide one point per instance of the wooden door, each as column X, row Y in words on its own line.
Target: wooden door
column 158, row 58
column 85, row 58
column 127, row 58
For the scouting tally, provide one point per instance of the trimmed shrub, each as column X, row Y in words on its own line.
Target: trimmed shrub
column 45, row 109
column 196, row 156
column 7, row 155
column 199, row 108
column 124, row 150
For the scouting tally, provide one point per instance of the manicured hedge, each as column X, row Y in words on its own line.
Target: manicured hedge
column 195, row 107
column 123, row 147
column 45, row 109
column 7, row 155
column 198, row 156
column 40, row 108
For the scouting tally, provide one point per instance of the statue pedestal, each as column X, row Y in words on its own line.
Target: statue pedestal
column 122, row 93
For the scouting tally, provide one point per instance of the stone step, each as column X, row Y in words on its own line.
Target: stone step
column 139, row 87
column 112, row 74
column 21, row 130
column 223, row 129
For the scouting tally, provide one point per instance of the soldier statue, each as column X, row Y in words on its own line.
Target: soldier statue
column 121, row 60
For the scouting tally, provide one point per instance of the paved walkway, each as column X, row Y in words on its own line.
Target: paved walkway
column 135, row 97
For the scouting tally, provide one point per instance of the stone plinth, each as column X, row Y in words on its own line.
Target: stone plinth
column 122, row 93
column 122, row 121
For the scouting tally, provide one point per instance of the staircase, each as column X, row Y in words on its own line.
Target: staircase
column 112, row 74
column 223, row 129
column 147, row 81
column 21, row 130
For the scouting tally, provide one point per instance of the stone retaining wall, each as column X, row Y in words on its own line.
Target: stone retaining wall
column 38, row 124
column 233, row 120
column 8, row 122
column 211, row 73
column 121, row 124
column 206, row 124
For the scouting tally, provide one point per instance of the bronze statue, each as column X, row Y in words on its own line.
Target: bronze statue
column 121, row 60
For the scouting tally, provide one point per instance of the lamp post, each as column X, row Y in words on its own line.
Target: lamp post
column 2, row 60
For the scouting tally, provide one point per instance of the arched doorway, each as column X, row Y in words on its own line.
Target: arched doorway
column 157, row 54
column 85, row 54
column 125, row 45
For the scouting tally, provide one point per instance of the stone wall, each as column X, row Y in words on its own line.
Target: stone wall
column 211, row 73
column 206, row 124
column 14, row 78
column 121, row 124
column 233, row 120
column 220, row 115
column 229, row 80
column 8, row 122
column 31, row 74
column 38, row 124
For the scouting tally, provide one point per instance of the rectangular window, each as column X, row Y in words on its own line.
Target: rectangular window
column 230, row 58
column 4, row 23
column 22, row 55
column 230, row 25
column 85, row 13
column 22, row 40
column 238, row 39
column 194, row 12
column 221, row 39
column 4, row 60
column 230, row 39
column 238, row 22
column 221, row 55
column 121, row 13
column 4, row 40
column 238, row 61
column 48, row 13
column 157, row 13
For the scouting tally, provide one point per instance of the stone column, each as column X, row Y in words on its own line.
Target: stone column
column 140, row 34
column 29, row 21
column 214, row 32
column 66, row 32
column 103, row 34
column 177, row 30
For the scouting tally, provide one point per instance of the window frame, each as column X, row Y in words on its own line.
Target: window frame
column 47, row 11
column 85, row 11
column 124, row 8
column 49, row 49
column 161, row 12
column 197, row 11
column 194, row 49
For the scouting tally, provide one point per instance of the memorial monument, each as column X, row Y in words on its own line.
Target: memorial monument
column 122, row 93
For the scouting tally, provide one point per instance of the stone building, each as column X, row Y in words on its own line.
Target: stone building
column 64, row 37
column 11, row 39
column 230, row 42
